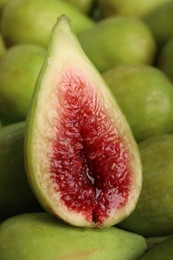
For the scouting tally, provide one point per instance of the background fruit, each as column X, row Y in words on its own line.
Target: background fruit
column 153, row 215
column 19, row 68
column 30, row 21
column 165, row 59
column 129, row 8
column 161, row 251
column 2, row 2
column 15, row 194
column 159, row 21
column 40, row 236
column 2, row 46
column 83, row 5
column 118, row 40
column 145, row 95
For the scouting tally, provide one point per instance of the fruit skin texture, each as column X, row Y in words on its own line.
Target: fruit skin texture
column 129, row 8
column 163, row 250
column 19, row 68
column 83, row 5
column 118, row 40
column 145, row 95
column 30, row 21
column 68, row 74
column 159, row 21
column 153, row 215
column 2, row 46
column 40, row 236
column 165, row 59
column 15, row 194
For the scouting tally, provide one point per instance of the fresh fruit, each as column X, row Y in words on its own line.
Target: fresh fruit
column 40, row 236
column 153, row 215
column 153, row 241
column 118, row 40
column 159, row 21
column 19, row 68
column 82, row 160
column 15, row 194
column 145, row 95
column 2, row 46
column 165, row 59
column 30, row 21
column 2, row 2
column 161, row 251
column 134, row 8
column 83, row 5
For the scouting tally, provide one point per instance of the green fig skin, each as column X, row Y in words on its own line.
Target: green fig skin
column 2, row 3
column 159, row 21
column 153, row 215
column 165, row 59
column 30, row 21
column 133, row 8
column 153, row 241
column 145, row 95
column 83, row 5
column 67, row 63
column 118, row 40
column 163, row 250
column 15, row 194
column 40, row 236
column 2, row 46
column 19, row 68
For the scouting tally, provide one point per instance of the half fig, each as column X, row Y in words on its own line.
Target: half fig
column 82, row 160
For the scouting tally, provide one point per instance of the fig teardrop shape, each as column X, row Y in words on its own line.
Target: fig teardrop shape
column 81, row 158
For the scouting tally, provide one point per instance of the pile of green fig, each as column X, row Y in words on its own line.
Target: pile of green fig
column 86, row 130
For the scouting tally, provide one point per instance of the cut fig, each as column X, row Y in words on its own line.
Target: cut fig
column 82, row 161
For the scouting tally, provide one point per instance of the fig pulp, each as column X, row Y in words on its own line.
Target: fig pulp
column 81, row 157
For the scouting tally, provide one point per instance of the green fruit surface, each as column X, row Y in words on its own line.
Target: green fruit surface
column 30, row 21
column 145, row 95
column 2, row 2
column 40, row 236
column 153, row 241
column 19, row 68
column 165, row 59
column 163, row 250
column 15, row 194
column 118, row 40
column 2, row 46
column 83, row 5
column 159, row 21
column 153, row 215
column 134, row 8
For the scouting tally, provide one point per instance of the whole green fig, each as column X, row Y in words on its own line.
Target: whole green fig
column 145, row 95
column 163, row 250
column 15, row 194
column 159, row 20
column 118, row 40
column 40, row 236
column 153, row 215
column 30, row 21
column 19, row 68
column 165, row 59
